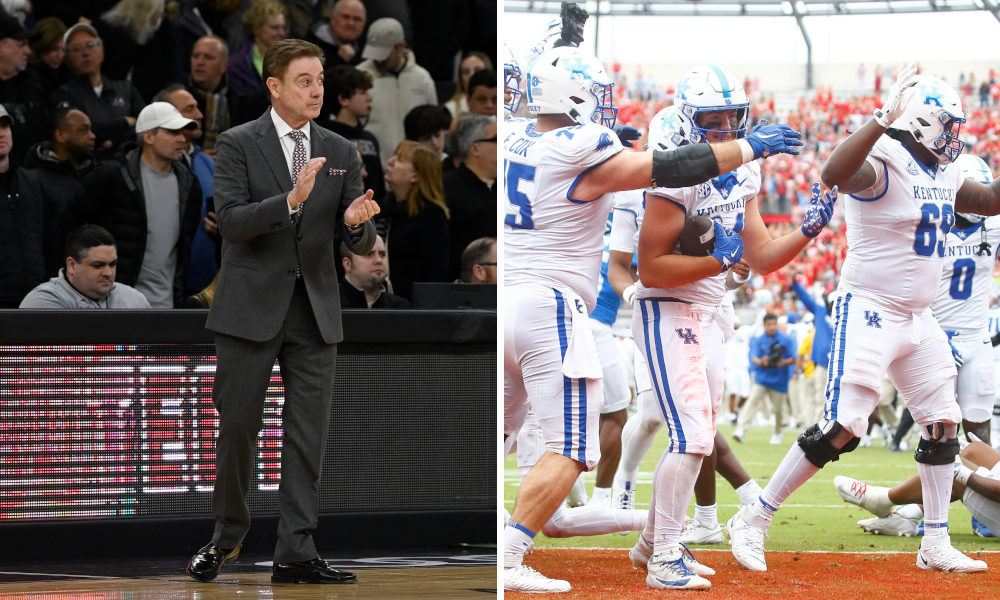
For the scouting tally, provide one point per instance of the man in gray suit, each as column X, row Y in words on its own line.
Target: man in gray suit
column 283, row 186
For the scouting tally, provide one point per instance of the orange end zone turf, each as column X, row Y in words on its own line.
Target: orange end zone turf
column 608, row 574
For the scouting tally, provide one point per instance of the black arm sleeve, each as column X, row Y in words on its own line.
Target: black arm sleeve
column 996, row 340
column 685, row 166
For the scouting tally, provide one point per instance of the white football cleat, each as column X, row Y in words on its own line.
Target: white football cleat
column 674, row 575
column 866, row 441
column 522, row 578
column 947, row 558
column 775, row 439
column 623, row 494
column 696, row 533
column 640, row 553
column 872, row 498
column 740, row 436
column 692, row 563
column 890, row 525
column 578, row 494
column 747, row 541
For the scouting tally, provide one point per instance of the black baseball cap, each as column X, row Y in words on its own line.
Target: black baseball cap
column 10, row 27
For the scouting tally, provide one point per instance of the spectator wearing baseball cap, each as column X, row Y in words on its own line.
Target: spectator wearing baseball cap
column 20, row 89
column 111, row 105
column 399, row 83
column 23, row 266
column 150, row 202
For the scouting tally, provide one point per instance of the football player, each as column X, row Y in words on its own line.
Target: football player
column 679, row 323
column 904, row 196
column 559, row 172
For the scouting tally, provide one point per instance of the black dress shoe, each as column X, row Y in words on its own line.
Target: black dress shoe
column 310, row 571
column 205, row 565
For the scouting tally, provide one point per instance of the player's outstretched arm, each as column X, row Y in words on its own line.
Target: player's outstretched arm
column 658, row 266
column 685, row 166
column 847, row 168
column 978, row 199
column 764, row 254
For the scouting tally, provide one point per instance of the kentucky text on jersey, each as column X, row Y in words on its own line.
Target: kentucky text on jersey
column 925, row 193
column 721, row 208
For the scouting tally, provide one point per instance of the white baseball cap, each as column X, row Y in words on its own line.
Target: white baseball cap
column 162, row 114
column 383, row 35
column 78, row 26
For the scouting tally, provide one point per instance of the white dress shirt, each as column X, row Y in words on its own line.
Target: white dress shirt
column 288, row 144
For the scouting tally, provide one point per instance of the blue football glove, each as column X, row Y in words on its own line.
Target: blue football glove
column 627, row 135
column 819, row 212
column 767, row 140
column 728, row 246
column 959, row 359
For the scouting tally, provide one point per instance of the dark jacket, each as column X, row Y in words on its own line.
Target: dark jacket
column 53, row 182
column 473, row 207
column 150, row 66
column 243, row 77
column 112, row 198
column 352, row 297
column 225, row 110
column 51, row 78
column 417, row 246
column 369, row 152
column 320, row 34
column 24, row 99
column 20, row 240
column 107, row 113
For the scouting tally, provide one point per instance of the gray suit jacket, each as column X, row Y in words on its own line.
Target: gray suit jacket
column 260, row 241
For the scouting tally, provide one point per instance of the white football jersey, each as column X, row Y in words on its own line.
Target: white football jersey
column 724, row 199
column 549, row 236
column 629, row 209
column 963, row 299
column 896, row 230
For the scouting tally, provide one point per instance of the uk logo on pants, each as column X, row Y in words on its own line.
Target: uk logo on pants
column 687, row 336
column 873, row 319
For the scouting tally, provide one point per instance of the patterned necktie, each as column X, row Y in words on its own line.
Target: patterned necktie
column 298, row 161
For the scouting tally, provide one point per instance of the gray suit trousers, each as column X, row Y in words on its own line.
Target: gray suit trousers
column 242, row 375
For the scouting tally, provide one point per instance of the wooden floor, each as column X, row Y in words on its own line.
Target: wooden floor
column 149, row 579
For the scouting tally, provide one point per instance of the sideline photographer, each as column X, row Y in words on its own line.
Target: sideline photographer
column 773, row 352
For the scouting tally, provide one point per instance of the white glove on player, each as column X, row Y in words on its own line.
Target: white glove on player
column 962, row 472
column 899, row 94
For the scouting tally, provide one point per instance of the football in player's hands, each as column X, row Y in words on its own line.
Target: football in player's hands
column 698, row 236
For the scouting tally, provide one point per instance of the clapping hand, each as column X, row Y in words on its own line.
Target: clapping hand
column 362, row 209
column 304, row 184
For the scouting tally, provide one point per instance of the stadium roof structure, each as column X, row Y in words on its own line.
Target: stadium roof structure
column 759, row 8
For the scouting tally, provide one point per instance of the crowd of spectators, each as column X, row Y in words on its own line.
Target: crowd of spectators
column 111, row 110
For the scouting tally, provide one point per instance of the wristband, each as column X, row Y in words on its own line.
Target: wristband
column 962, row 475
column 628, row 295
column 880, row 118
column 737, row 279
column 746, row 149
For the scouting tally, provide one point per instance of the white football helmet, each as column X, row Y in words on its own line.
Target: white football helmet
column 666, row 130
column 934, row 116
column 511, row 81
column 976, row 169
column 710, row 88
column 571, row 82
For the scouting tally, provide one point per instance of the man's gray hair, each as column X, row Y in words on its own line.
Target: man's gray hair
column 222, row 44
column 471, row 129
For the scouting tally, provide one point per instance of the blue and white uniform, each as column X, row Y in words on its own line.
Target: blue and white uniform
column 617, row 396
column 896, row 236
column 682, row 337
column 963, row 304
column 629, row 209
column 552, row 259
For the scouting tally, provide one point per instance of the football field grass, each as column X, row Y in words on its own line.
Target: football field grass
column 814, row 518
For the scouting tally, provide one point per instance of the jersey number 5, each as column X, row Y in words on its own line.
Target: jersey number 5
column 518, row 207
column 926, row 235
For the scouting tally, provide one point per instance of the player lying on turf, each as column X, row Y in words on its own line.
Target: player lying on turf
column 904, row 197
column 678, row 323
column 665, row 133
column 977, row 485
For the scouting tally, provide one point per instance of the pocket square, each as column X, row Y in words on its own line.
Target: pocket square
column 333, row 171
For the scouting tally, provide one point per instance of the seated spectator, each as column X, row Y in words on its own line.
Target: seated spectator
column 264, row 25
column 338, row 34
column 88, row 279
column 111, row 105
column 206, row 239
column 471, row 190
column 399, row 84
column 363, row 285
column 454, row 157
column 479, row 262
column 47, row 53
column 54, row 171
column 471, row 63
column 483, row 93
column 209, row 84
column 138, row 44
column 346, row 106
column 23, row 266
column 150, row 202
column 20, row 89
column 427, row 125
column 416, row 225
